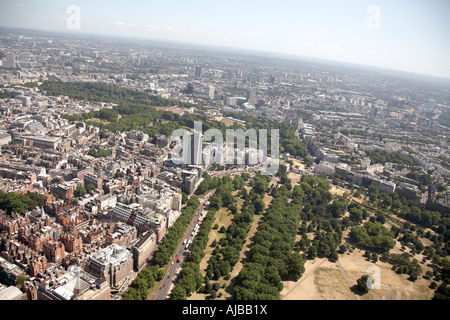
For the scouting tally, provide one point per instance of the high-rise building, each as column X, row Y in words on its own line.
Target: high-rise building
column 211, row 91
column 431, row 105
column 252, row 96
column 198, row 72
column 192, row 148
column 189, row 88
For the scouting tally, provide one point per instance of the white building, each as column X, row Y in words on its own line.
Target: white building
column 5, row 138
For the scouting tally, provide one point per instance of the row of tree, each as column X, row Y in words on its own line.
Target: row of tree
column 227, row 252
column 138, row 289
column 321, row 217
column 271, row 259
column 190, row 278
column 174, row 235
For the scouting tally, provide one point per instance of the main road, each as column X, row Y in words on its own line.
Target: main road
column 182, row 252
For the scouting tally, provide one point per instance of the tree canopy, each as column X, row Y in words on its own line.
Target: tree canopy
column 19, row 203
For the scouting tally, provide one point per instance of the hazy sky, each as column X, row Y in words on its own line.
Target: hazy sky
column 410, row 35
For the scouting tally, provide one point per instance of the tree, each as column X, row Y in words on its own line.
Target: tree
column 141, row 287
column 238, row 183
column 184, row 197
column 312, row 252
column 178, row 293
column 372, row 236
column 333, row 256
column 233, row 209
column 118, row 174
column 338, row 208
column 361, row 284
column 374, row 257
column 79, row 191
column 442, row 292
column 131, row 294
column 373, row 193
column 295, row 266
column 245, row 175
column 20, row 280
column 230, row 254
column 19, row 203
column 259, row 206
column 90, row 187
column 261, row 185
column 216, row 201
column 356, row 215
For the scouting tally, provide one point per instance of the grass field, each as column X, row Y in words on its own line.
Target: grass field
column 325, row 280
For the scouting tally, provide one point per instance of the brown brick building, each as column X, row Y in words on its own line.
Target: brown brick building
column 54, row 251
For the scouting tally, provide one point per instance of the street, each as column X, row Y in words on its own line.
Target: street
column 182, row 252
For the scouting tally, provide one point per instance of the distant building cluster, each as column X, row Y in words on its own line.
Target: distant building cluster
column 109, row 198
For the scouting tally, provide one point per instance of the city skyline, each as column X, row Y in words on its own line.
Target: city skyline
column 406, row 36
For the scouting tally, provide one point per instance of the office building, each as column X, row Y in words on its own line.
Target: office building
column 252, row 96
column 112, row 263
column 211, row 91
column 198, row 72
column 192, row 148
column 143, row 249
column 5, row 138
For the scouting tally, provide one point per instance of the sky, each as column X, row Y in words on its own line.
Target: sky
column 408, row 35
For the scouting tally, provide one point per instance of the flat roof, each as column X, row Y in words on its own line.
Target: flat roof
column 10, row 293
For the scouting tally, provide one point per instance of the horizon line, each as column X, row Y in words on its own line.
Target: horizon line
column 263, row 53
